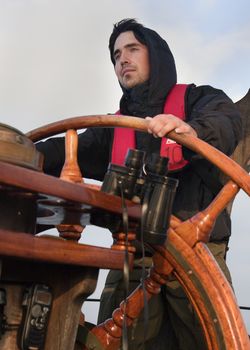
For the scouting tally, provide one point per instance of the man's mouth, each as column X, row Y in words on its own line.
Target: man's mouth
column 127, row 70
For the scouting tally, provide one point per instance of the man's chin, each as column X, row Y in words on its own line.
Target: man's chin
column 129, row 84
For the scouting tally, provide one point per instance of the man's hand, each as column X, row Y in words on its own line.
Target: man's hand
column 162, row 124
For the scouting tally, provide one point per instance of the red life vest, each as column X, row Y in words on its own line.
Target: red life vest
column 124, row 138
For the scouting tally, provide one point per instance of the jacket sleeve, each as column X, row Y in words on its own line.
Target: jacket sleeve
column 214, row 116
column 93, row 153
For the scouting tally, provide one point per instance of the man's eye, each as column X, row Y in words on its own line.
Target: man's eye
column 116, row 57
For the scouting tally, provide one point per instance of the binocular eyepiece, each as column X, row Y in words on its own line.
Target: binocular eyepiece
column 120, row 179
column 146, row 180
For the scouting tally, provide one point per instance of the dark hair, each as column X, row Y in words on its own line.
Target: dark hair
column 125, row 25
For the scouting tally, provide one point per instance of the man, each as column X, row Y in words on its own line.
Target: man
column 146, row 71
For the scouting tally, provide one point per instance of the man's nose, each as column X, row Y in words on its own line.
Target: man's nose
column 124, row 58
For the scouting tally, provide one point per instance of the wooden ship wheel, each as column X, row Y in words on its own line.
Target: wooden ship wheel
column 44, row 280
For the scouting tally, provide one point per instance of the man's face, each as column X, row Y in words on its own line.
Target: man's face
column 131, row 60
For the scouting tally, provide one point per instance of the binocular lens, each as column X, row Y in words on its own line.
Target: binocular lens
column 134, row 158
column 157, row 165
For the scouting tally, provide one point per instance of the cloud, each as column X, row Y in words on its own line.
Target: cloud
column 221, row 59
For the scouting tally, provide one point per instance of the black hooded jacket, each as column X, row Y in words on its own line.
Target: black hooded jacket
column 208, row 110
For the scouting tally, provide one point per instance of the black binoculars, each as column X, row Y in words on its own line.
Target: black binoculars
column 145, row 181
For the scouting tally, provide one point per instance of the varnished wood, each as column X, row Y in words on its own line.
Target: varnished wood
column 109, row 333
column 224, row 163
column 195, row 230
column 206, row 286
column 184, row 256
column 222, row 200
column 72, row 173
column 123, row 241
column 18, row 149
column 52, row 249
column 198, row 228
column 72, row 232
column 210, row 294
column 187, row 235
column 79, row 193
column 235, row 327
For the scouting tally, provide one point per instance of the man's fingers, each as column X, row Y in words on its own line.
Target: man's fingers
column 162, row 124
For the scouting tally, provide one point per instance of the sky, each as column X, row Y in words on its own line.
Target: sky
column 54, row 64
